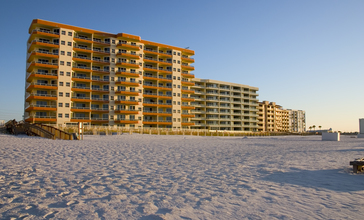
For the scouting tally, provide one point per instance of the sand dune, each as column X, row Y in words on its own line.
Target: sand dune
column 179, row 177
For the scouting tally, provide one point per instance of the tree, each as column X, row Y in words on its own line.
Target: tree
column 320, row 127
column 313, row 126
column 310, row 128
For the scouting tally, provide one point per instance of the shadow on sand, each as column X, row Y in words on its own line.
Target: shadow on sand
column 341, row 180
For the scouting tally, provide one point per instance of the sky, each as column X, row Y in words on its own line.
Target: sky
column 303, row 54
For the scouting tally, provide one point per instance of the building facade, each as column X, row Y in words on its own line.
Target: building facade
column 274, row 118
column 297, row 120
column 76, row 74
column 224, row 106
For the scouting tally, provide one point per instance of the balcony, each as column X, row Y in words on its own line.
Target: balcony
column 159, row 113
column 82, row 49
column 126, row 111
column 34, row 85
column 82, row 39
column 32, row 96
column 80, row 109
column 44, row 33
column 41, row 64
column 99, row 61
column 97, row 70
column 80, row 99
column 99, row 89
column 42, row 54
column 127, row 73
column 81, row 79
column 128, row 64
column 34, row 107
column 82, row 69
column 104, row 52
column 126, row 102
column 158, row 104
column 187, row 107
column 80, row 89
column 187, row 99
column 104, row 100
column 43, row 75
column 128, row 46
column 127, row 92
column 187, row 59
column 150, row 68
column 187, row 123
column 155, row 122
column 128, row 55
column 187, row 115
column 188, row 91
column 188, row 75
column 156, row 52
column 80, row 119
column 100, row 42
column 42, row 44
column 82, row 59
column 186, row 83
column 160, row 61
column 126, row 82
column 100, row 80
column 187, row 67
column 99, row 120
column 126, row 121
column 38, row 118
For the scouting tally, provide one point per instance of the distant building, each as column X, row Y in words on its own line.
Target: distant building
column 297, row 120
column 2, row 122
column 274, row 118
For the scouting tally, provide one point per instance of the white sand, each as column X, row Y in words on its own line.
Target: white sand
column 180, row 177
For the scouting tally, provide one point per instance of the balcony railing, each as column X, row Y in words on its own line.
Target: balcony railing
column 80, row 77
column 44, row 31
column 80, row 97
column 41, row 106
column 45, row 41
column 83, row 48
column 83, row 38
column 40, row 84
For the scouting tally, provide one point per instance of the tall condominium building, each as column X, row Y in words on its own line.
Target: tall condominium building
column 297, row 120
column 75, row 74
column 272, row 117
column 224, row 106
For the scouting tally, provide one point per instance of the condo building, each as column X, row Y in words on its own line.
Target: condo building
column 274, row 118
column 224, row 106
column 75, row 74
column 297, row 120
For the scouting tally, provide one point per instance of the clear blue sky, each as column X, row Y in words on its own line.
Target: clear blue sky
column 306, row 54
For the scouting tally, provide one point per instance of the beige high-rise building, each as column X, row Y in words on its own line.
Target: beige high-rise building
column 76, row 74
column 224, row 106
column 272, row 117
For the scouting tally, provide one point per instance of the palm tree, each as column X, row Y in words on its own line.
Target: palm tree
column 313, row 126
column 320, row 127
column 310, row 128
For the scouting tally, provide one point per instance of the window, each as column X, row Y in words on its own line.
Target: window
column 174, row 69
column 179, row 111
column 68, row 84
column 60, row 83
column 63, row 42
column 61, row 63
column 113, row 51
column 69, row 43
column 174, row 53
column 66, row 115
column 174, row 119
column 179, row 54
column 178, row 94
column 179, row 62
column 68, row 74
column 60, row 104
column 68, row 63
column 63, row 32
column 174, row 94
column 179, row 78
column 60, row 94
column 67, row 105
column 61, row 73
column 174, row 77
column 174, row 111
column 179, row 70
column 113, row 41
column 67, row 94
column 69, row 53
column 59, row 115
column 174, row 61
column 62, row 52
column 69, row 33
column 179, row 103
column 179, row 86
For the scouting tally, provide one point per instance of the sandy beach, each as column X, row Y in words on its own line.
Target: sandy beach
column 180, row 177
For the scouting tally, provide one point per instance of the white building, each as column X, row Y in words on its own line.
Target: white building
column 297, row 120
